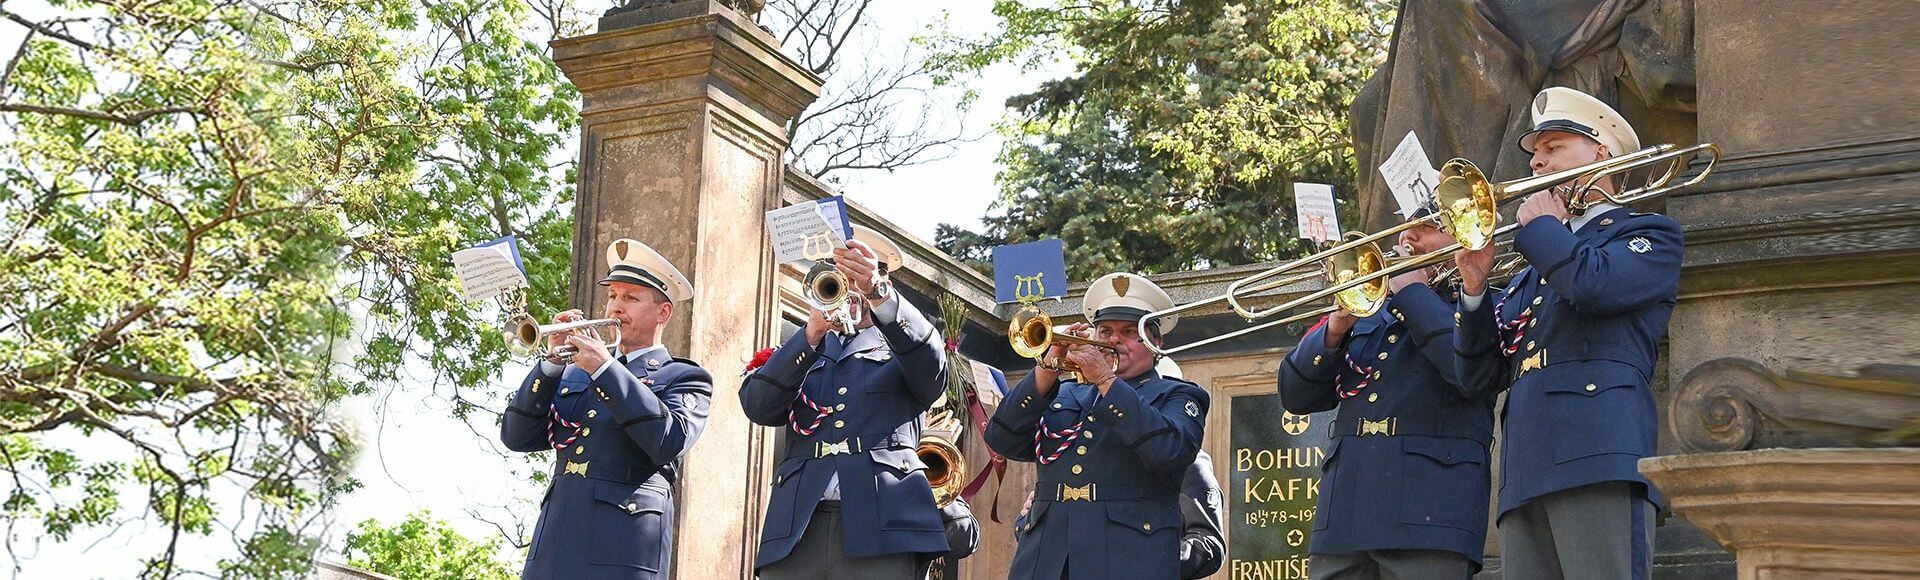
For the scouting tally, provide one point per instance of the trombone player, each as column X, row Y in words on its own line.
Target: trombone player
column 1575, row 338
column 1405, row 485
column 850, row 498
column 1113, row 444
column 618, row 422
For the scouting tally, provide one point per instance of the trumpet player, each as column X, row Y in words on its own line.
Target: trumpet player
column 619, row 423
column 1113, row 445
column 1574, row 337
column 1405, row 482
column 850, row 499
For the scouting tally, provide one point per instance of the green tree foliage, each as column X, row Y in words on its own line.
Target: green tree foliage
column 218, row 218
column 1175, row 142
column 424, row 548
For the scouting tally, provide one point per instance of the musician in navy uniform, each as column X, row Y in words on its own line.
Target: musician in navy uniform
column 1112, row 446
column 619, row 424
column 850, row 499
column 1203, row 547
column 1574, row 338
column 1405, row 485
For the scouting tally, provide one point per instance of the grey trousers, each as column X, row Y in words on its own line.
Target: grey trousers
column 1600, row 532
column 1390, row 565
column 820, row 555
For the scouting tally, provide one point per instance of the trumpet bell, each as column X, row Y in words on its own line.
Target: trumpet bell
column 826, row 287
column 946, row 468
column 1030, row 332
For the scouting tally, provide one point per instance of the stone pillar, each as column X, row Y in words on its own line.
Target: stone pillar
column 1803, row 513
column 1802, row 265
column 683, row 132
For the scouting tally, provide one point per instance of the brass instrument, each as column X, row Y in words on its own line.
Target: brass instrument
column 1468, row 209
column 946, row 468
column 531, row 337
column 828, row 291
column 1031, row 333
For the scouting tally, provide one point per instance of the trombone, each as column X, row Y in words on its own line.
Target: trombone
column 1469, row 210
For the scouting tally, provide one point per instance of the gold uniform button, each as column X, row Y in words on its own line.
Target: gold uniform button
column 1077, row 470
column 1393, row 339
column 1529, row 345
column 1456, row 318
column 843, row 390
column 632, row 507
column 1533, row 323
column 840, row 407
column 1383, row 356
column 839, row 424
column 1087, row 434
column 1373, row 397
column 1538, row 299
column 1376, row 375
column 591, row 413
column 587, row 432
column 536, row 386
column 1146, row 526
column 1592, row 388
column 1316, row 360
column 1092, row 418
column 1056, row 405
column 580, row 450
column 1081, row 450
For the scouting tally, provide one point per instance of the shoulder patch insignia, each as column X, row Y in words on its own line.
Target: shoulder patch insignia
column 1193, row 409
column 1639, row 245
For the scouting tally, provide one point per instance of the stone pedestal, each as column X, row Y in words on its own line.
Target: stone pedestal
column 684, row 108
column 1803, row 513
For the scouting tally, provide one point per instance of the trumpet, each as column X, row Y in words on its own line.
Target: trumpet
column 1469, row 211
column 531, row 336
column 829, row 292
column 1031, row 333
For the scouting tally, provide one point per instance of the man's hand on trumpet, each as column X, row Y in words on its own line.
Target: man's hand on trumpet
column 1096, row 365
column 817, row 327
column 555, row 341
column 858, row 262
column 590, row 353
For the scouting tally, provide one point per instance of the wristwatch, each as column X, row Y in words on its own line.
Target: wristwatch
column 882, row 290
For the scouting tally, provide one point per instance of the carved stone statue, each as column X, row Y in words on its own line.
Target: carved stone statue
column 1462, row 73
column 748, row 8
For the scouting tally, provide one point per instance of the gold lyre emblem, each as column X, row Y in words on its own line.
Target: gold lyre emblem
column 817, row 246
column 1381, row 427
column 1539, row 359
column 577, row 468
column 1029, row 288
column 1071, row 493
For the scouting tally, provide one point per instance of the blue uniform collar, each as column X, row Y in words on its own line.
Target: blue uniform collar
column 863, row 340
column 1597, row 224
column 654, row 356
column 1378, row 321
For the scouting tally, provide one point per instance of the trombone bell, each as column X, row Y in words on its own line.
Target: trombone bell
column 946, row 468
